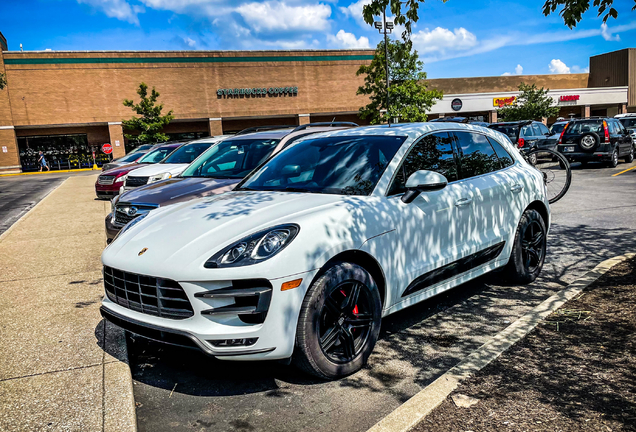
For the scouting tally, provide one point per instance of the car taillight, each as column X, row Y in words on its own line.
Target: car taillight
column 607, row 138
column 521, row 142
column 562, row 132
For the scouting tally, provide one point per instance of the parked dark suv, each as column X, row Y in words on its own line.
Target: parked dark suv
column 596, row 139
column 527, row 135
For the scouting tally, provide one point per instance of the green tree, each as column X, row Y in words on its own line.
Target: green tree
column 409, row 98
column 3, row 81
column 532, row 103
column 572, row 10
column 150, row 122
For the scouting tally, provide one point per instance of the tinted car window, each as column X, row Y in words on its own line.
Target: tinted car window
column 434, row 153
column 187, row 154
column 557, row 128
column 130, row 157
column 537, row 130
column 628, row 122
column 511, row 130
column 526, row 131
column 232, row 159
column 156, row 156
column 342, row 165
column 505, row 160
column 477, row 155
column 585, row 126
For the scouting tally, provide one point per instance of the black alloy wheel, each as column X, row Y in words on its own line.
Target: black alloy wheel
column 630, row 157
column 345, row 321
column 528, row 250
column 613, row 163
column 532, row 248
column 339, row 322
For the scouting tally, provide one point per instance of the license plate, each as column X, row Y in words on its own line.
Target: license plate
column 568, row 149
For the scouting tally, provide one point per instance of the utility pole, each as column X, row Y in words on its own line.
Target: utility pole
column 386, row 28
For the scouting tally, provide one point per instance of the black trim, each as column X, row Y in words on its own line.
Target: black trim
column 453, row 269
column 170, row 336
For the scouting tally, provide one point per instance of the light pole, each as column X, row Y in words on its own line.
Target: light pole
column 385, row 28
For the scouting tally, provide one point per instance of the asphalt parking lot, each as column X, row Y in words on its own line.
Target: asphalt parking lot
column 18, row 194
column 178, row 389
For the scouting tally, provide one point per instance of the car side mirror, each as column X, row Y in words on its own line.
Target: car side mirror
column 423, row 181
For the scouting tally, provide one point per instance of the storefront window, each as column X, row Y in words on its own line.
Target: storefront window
column 60, row 151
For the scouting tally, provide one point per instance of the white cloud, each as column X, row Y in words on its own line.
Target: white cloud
column 578, row 69
column 119, row 9
column 354, row 10
column 348, row 40
column 189, row 42
column 556, row 66
column 607, row 33
column 518, row 71
column 274, row 16
column 441, row 40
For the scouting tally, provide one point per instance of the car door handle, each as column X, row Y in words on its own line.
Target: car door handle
column 463, row 202
column 516, row 187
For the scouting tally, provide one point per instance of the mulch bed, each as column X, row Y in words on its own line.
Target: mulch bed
column 575, row 372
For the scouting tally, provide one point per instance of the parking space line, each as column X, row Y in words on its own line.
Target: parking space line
column 624, row 171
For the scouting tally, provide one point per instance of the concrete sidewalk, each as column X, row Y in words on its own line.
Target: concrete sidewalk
column 61, row 367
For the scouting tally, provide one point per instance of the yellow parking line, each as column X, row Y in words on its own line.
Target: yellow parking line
column 628, row 169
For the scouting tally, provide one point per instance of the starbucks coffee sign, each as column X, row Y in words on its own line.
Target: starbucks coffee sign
column 257, row 92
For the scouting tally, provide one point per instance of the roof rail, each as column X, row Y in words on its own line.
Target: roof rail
column 262, row 128
column 330, row 124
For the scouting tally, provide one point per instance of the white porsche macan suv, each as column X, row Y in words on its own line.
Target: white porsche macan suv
column 315, row 246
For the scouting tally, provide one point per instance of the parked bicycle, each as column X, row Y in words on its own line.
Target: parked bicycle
column 556, row 171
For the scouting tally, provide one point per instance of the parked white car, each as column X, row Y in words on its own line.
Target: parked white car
column 171, row 166
column 313, row 248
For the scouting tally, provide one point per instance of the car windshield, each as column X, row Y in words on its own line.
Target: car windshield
column 130, row 157
column 144, row 147
column 156, row 156
column 343, row 165
column 232, row 159
column 186, row 154
column 512, row 131
column 628, row 122
column 585, row 126
column 557, row 128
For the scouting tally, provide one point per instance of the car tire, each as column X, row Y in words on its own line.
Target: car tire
column 630, row 157
column 589, row 141
column 532, row 159
column 529, row 249
column 333, row 337
column 613, row 162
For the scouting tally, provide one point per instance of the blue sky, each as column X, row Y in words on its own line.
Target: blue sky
column 455, row 39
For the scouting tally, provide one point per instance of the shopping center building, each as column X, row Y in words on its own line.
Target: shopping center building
column 69, row 103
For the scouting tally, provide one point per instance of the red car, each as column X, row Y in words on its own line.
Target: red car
column 109, row 182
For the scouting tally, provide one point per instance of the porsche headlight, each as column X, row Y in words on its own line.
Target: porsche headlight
column 254, row 248
column 159, row 177
column 129, row 225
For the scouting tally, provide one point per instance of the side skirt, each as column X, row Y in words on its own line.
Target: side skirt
column 453, row 269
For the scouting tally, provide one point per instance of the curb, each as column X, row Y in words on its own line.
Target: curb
column 48, row 172
column 419, row 406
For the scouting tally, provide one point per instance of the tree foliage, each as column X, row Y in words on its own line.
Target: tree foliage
column 150, row 122
column 572, row 10
column 3, row 81
column 408, row 93
column 532, row 103
column 410, row 16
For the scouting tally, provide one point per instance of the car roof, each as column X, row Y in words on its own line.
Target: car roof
column 514, row 123
column 269, row 134
column 411, row 130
